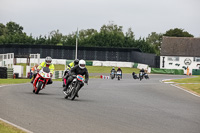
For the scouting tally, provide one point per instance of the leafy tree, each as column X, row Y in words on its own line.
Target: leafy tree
column 13, row 28
column 155, row 40
column 177, row 33
column 129, row 38
column 2, row 29
column 55, row 37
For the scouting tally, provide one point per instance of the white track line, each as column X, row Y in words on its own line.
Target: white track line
column 23, row 129
column 163, row 81
column 185, row 90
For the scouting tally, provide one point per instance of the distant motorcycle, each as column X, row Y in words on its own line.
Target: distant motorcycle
column 41, row 80
column 141, row 76
column 74, row 87
column 119, row 74
column 135, row 77
column 146, row 76
column 112, row 75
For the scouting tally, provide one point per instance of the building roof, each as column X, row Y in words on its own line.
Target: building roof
column 180, row 46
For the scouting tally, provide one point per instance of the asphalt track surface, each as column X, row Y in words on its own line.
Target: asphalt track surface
column 104, row 106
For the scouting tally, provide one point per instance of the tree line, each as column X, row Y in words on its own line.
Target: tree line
column 110, row 35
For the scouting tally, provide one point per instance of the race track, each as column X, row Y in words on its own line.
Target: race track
column 104, row 106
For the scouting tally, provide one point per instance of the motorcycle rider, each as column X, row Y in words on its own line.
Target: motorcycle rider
column 134, row 75
column 33, row 71
column 69, row 66
column 119, row 70
column 46, row 63
column 78, row 69
column 113, row 70
column 142, row 70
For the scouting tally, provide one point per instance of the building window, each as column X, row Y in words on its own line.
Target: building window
column 197, row 59
column 173, row 58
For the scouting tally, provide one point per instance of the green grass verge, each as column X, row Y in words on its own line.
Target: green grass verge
column 195, row 88
column 6, row 128
column 187, row 80
column 190, row 87
column 14, row 81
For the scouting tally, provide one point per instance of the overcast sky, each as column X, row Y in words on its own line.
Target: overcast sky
column 40, row 17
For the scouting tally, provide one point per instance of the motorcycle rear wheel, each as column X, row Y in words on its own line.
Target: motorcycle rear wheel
column 118, row 77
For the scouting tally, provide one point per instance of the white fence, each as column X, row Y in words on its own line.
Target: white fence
column 6, row 60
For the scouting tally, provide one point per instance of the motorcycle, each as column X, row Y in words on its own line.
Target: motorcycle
column 135, row 76
column 41, row 80
column 112, row 75
column 141, row 76
column 119, row 73
column 146, row 76
column 74, row 87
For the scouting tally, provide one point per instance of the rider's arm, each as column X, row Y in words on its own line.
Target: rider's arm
column 86, row 75
column 41, row 65
column 51, row 67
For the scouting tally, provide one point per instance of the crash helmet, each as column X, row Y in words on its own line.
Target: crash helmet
column 48, row 60
column 76, row 61
column 82, row 64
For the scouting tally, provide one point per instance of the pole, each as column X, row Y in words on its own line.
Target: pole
column 76, row 47
column 76, row 44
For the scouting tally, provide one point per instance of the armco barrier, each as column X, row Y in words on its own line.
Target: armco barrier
column 167, row 71
column 89, row 63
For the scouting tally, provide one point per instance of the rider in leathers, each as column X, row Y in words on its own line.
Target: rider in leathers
column 78, row 69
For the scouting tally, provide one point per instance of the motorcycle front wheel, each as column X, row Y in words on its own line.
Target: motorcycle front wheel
column 39, row 87
column 74, row 92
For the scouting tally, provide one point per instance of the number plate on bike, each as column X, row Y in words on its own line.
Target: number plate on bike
column 80, row 78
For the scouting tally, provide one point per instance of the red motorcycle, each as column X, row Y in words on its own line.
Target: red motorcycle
column 41, row 79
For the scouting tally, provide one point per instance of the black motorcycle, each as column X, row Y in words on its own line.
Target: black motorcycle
column 74, row 87
column 146, row 76
column 141, row 76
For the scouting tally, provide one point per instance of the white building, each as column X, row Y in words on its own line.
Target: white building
column 180, row 53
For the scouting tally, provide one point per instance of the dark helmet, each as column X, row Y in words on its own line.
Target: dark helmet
column 76, row 62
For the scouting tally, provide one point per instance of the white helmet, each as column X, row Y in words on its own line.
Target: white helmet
column 82, row 64
column 48, row 60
